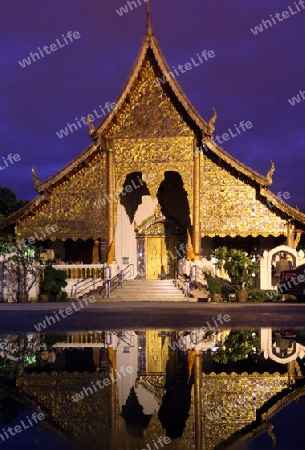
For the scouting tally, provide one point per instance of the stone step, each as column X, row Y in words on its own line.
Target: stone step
column 146, row 299
column 144, row 290
column 135, row 290
column 130, row 294
column 150, row 283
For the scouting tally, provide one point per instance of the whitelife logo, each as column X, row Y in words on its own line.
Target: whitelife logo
column 18, row 428
column 221, row 319
column 131, row 5
column 53, row 48
column 71, row 127
column 49, row 320
column 183, row 68
column 160, row 441
column 294, row 100
column 127, row 189
column 279, row 17
column 11, row 158
column 244, row 126
column 101, row 384
column 31, row 240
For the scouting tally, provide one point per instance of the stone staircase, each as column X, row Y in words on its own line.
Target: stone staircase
column 144, row 291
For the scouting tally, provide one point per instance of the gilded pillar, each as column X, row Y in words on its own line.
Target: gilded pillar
column 198, row 399
column 110, row 193
column 290, row 235
column 96, row 252
column 196, row 204
column 291, row 372
column 112, row 398
column 97, row 358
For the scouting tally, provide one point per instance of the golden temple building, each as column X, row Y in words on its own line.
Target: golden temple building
column 153, row 180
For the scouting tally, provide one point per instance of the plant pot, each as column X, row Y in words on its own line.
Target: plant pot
column 242, row 296
column 22, row 298
column 216, row 297
column 43, row 298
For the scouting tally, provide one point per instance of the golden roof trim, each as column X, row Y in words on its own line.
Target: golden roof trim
column 25, row 211
column 259, row 426
column 236, row 164
column 283, row 206
column 70, row 167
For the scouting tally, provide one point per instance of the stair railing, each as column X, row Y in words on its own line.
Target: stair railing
column 118, row 280
column 183, row 283
column 125, row 336
column 82, row 285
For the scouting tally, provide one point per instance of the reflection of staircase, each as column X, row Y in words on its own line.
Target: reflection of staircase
column 145, row 290
column 126, row 336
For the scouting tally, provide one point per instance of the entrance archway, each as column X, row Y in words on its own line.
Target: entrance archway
column 160, row 244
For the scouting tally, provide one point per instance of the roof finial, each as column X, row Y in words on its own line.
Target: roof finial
column 149, row 30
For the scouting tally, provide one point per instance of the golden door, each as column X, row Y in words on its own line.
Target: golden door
column 160, row 356
column 160, row 256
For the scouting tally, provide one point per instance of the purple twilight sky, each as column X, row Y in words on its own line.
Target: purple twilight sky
column 251, row 78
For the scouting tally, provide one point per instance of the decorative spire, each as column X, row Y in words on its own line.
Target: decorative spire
column 90, row 125
column 270, row 173
column 210, row 124
column 35, row 178
column 149, row 29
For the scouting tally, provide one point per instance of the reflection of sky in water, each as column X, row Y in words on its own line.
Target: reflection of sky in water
column 26, row 438
column 157, row 396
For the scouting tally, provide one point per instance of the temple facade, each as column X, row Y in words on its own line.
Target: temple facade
column 153, row 185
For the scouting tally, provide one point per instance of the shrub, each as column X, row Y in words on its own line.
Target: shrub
column 52, row 283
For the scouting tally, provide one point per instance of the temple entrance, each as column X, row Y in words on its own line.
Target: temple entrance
column 160, row 257
column 158, row 239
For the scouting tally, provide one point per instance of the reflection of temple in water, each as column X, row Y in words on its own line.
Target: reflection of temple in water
column 155, row 399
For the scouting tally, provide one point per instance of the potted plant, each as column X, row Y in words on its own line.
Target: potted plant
column 215, row 287
column 23, row 267
column 51, row 285
column 239, row 267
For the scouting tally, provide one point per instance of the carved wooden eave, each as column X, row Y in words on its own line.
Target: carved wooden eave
column 71, row 168
column 29, row 209
column 292, row 213
column 263, row 424
column 237, row 165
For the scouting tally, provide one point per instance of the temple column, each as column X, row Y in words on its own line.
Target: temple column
column 96, row 252
column 196, row 204
column 291, row 372
column 290, row 235
column 112, row 397
column 198, row 399
column 110, row 194
column 97, row 358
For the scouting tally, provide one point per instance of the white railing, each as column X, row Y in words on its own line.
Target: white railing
column 81, row 271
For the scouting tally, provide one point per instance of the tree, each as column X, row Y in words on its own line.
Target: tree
column 237, row 346
column 52, row 283
column 238, row 265
column 8, row 202
column 22, row 264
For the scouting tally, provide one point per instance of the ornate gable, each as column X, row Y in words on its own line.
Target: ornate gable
column 149, row 111
column 230, row 207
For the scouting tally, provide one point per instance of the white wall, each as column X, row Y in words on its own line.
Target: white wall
column 125, row 236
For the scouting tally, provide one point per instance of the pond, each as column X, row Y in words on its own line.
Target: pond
column 200, row 388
